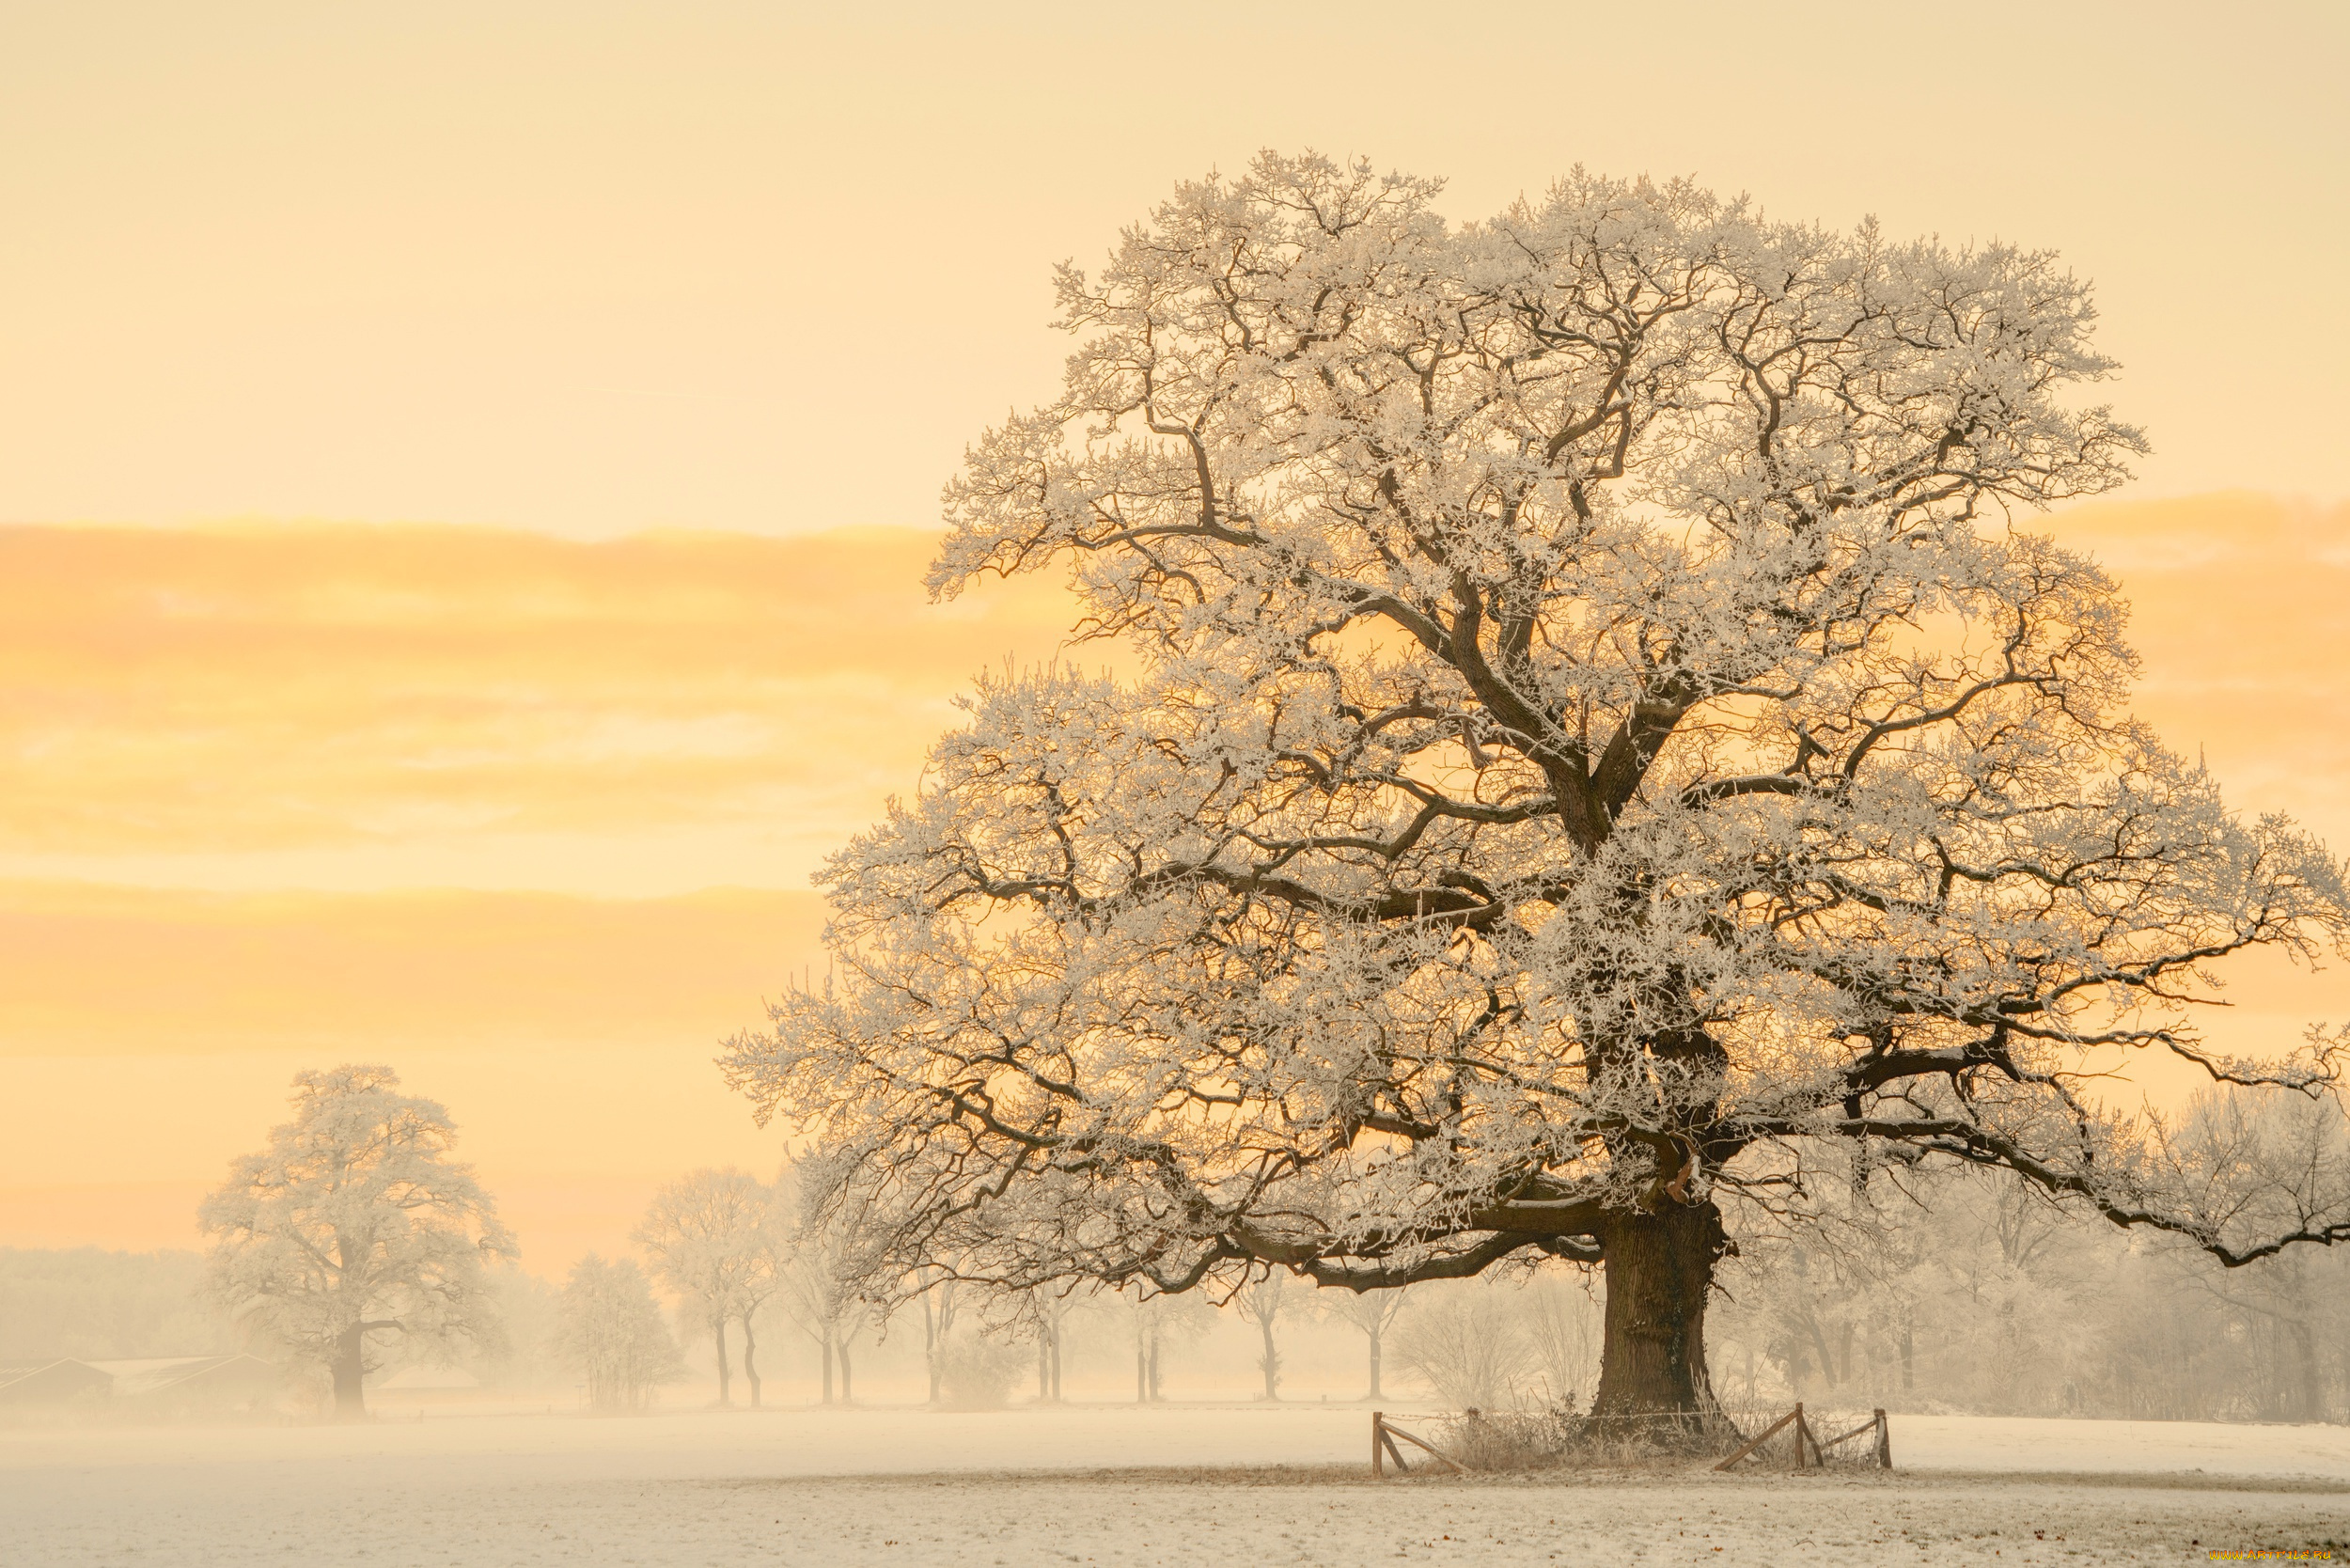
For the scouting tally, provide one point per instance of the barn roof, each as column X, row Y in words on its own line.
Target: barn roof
column 153, row 1375
column 38, row 1382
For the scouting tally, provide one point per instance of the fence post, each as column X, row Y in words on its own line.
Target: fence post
column 1885, row 1442
column 1803, row 1433
column 1378, row 1459
column 1758, row 1440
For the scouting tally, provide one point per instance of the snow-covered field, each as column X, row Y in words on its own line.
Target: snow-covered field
column 1075, row 1485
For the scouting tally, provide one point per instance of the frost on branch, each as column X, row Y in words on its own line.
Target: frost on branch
column 1600, row 734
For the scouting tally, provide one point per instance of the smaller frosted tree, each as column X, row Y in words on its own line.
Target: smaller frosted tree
column 707, row 1234
column 353, row 1226
column 821, row 1270
column 612, row 1335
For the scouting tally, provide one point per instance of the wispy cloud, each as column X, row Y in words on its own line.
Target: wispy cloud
column 151, row 971
column 344, row 706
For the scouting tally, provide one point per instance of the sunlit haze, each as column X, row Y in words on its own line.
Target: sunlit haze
column 468, row 474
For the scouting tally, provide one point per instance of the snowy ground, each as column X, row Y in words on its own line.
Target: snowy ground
column 1077, row 1486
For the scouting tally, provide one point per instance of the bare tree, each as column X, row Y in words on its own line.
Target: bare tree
column 1259, row 1302
column 824, row 1275
column 1563, row 1328
column 938, row 1323
column 762, row 1280
column 1956, row 1290
column 1159, row 1321
column 610, row 1331
column 352, row 1225
column 707, row 1234
column 1599, row 749
column 1374, row 1313
column 1045, row 1314
column 85, row 1305
column 1467, row 1342
column 2283, row 1303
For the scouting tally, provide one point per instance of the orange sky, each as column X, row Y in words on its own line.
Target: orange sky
column 594, row 268
column 548, row 808
column 633, row 344
column 552, row 806
column 362, row 706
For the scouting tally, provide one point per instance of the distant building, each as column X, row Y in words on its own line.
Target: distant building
column 193, row 1385
column 47, row 1384
column 161, row 1387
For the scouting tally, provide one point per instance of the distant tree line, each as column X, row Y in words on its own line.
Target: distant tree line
column 92, row 1304
column 1991, row 1301
column 1899, row 1287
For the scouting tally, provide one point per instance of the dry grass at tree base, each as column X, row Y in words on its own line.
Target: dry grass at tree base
column 1507, row 1441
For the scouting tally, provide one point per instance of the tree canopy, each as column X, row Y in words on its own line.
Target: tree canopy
column 712, row 1237
column 1602, row 747
column 352, row 1225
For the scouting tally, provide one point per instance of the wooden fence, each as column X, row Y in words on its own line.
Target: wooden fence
column 1811, row 1452
column 1817, row 1451
column 1383, row 1435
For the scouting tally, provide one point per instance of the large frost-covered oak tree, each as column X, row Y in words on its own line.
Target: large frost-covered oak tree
column 1600, row 753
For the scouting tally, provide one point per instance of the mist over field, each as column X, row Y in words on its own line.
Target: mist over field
column 2146, row 1398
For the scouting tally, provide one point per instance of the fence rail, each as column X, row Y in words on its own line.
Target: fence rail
column 1806, row 1442
column 1383, row 1434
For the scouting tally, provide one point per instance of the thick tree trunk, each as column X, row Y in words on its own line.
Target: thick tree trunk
column 726, row 1373
column 1154, row 1369
column 750, row 1359
column 1272, row 1362
column 351, row 1398
column 827, row 1343
column 1375, row 1390
column 1142, row 1377
column 1653, row 1380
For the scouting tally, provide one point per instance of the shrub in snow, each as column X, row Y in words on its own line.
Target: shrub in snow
column 610, row 1332
column 976, row 1371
